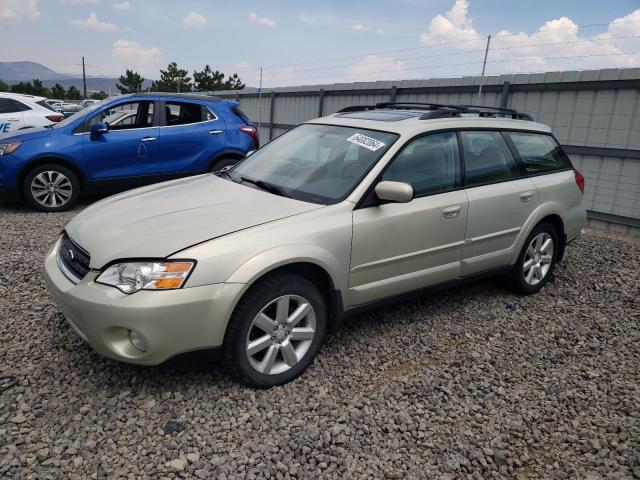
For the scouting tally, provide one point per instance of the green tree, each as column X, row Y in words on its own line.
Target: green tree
column 207, row 80
column 130, row 82
column 57, row 91
column 3, row 86
column 73, row 93
column 39, row 89
column 233, row 83
column 101, row 95
column 22, row 87
column 173, row 79
column 29, row 88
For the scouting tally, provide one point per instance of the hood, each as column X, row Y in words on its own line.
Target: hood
column 161, row 219
column 26, row 134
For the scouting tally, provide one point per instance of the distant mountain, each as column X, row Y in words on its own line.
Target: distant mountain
column 15, row 72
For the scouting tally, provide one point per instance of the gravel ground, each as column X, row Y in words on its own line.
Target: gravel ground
column 471, row 383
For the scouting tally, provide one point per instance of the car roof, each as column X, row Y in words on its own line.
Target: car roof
column 192, row 96
column 410, row 122
column 22, row 96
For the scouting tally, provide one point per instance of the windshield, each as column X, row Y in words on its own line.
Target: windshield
column 316, row 163
column 76, row 116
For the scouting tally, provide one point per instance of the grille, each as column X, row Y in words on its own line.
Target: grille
column 74, row 259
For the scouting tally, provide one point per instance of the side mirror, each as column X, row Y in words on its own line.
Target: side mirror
column 98, row 129
column 399, row 192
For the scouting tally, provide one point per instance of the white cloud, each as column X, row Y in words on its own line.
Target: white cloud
column 194, row 20
column 131, row 54
column 122, row 6
column 266, row 21
column 358, row 27
column 451, row 27
column 241, row 65
column 14, row 11
column 537, row 51
column 376, row 67
column 380, row 31
column 93, row 23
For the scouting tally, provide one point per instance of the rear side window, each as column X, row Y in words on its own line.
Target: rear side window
column 44, row 104
column 430, row 164
column 487, row 158
column 184, row 113
column 9, row 105
column 539, row 153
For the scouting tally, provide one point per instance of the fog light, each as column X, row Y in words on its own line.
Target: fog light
column 137, row 340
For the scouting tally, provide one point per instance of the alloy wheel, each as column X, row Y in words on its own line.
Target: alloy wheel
column 281, row 334
column 538, row 259
column 51, row 189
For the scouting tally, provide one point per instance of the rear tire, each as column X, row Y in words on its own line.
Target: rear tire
column 51, row 188
column 275, row 331
column 536, row 261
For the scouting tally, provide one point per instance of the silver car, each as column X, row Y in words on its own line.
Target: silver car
column 339, row 215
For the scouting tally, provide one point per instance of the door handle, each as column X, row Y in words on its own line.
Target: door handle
column 451, row 212
column 147, row 139
column 214, row 132
column 526, row 196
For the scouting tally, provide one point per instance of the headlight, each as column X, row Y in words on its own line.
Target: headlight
column 7, row 148
column 130, row 277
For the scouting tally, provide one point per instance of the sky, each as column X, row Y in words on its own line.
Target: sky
column 318, row 42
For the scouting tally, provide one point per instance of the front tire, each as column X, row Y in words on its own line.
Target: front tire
column 275, row 331
column 219, row 164
column 51, row 188
column 536, row 261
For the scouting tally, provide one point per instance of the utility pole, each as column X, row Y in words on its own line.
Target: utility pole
column 260, row 101
column 484, row 64
column 84, row 79
column 178, row 84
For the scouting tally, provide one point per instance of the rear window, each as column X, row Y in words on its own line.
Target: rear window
column 241, row 114
column 44, row 104
column 487, row 158
column 184, row 113
column 539, row 153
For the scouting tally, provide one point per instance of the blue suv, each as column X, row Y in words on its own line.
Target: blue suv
column 126, row 142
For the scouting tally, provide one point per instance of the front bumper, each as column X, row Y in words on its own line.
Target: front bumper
column 171, row 322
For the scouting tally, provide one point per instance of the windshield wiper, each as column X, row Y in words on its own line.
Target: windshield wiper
column 268, row 187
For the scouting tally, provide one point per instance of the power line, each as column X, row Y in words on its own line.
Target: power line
column 448, row 54
column 481, row 38
column 515, row 60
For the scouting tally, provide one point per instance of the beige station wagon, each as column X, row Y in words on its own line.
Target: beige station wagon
column 341, row 214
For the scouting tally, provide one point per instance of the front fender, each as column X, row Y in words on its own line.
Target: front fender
column 269, row 260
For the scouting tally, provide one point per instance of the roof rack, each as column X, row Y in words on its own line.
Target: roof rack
column 439, row 110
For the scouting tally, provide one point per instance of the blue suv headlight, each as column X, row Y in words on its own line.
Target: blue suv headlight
column 7, row 148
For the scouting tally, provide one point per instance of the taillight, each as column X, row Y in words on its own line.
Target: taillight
column 252, row 132
column 55, row 118
column 579, row 179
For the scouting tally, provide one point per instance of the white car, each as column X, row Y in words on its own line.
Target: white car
column 55, row 104
column 18, row 112
column 89, row 102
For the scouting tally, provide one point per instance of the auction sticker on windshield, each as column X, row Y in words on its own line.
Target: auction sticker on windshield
column 366, row 142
